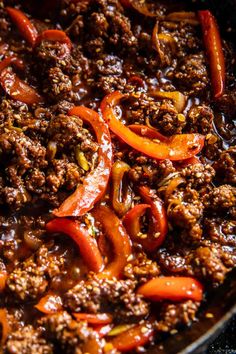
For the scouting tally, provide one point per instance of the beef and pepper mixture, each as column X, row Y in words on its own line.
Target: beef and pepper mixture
column 117, row 172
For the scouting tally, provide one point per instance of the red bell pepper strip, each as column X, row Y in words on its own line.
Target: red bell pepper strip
column 102, row 330
column 94, row 319
column 18, row 89
column 4, row 324
column 126, row 4
column 87, row 244
column 54, row 35
column 213, row 45
column 95, row 183
column 25, row 27
column 8, row 61
column 178, row 147
column 131, row 222
column 3, row 280
column 133, row 338
column 116, row 233
column 158, row 226
column 151, row 133
column 49, row 304
column 172, row 288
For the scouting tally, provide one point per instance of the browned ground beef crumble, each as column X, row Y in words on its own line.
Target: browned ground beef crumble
column 39, row 168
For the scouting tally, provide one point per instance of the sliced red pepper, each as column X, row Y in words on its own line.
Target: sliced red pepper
column 18, row 89
column 116, row 233
column 4, row 324
column 158, row 226
column 178, row 147
column 172, row 288
column 213, row 45
column 95, row 183
column 8, row 61
column 3, row 280
column 131, row 221
column 54, row 35
column 94, row 319
column 87, row 244
column 102, row 330
column 25, row 27
column 49, row 304
column 133, row 338
column 148, row 132
column 126, row 3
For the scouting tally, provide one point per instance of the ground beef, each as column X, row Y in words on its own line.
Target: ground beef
column 143, row 169
column 29, row 279
column 187, row 213
column 200, row 119
column 109, row 65
column 221, row 231
column 19, row 155
column 59, row 85
column 227, row 104
column 141, row 269
column 51, row 53
column 198, row 175
column 185, row 35
column 27, row 340
column 102, row 295
column 108, row 84
column 209, row 262
column 225, row 166
column 191, row 74
column 68, row 132
column 168, row 121
column 220, row 199
column 174, row 315
column 69, row 335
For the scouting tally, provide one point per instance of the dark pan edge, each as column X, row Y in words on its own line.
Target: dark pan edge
column 210, row 335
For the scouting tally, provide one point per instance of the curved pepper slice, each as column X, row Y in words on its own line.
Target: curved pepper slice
column 49, row 304
column 25, row 27
column 148, row 132
column 116, row 233
column 87, row 244
column 13, row 60
column 172, row 288
column 13, row 86
column 159, row 221
column 213, row 45
column 158, row 225
column 3, row 280
column 95, row 183
column 103, row 330
column 18, row 89
column 178, row 147
column 95, row 319
column 136, row 336
column 53, row 35
column 4, row 324
column 131, row 221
